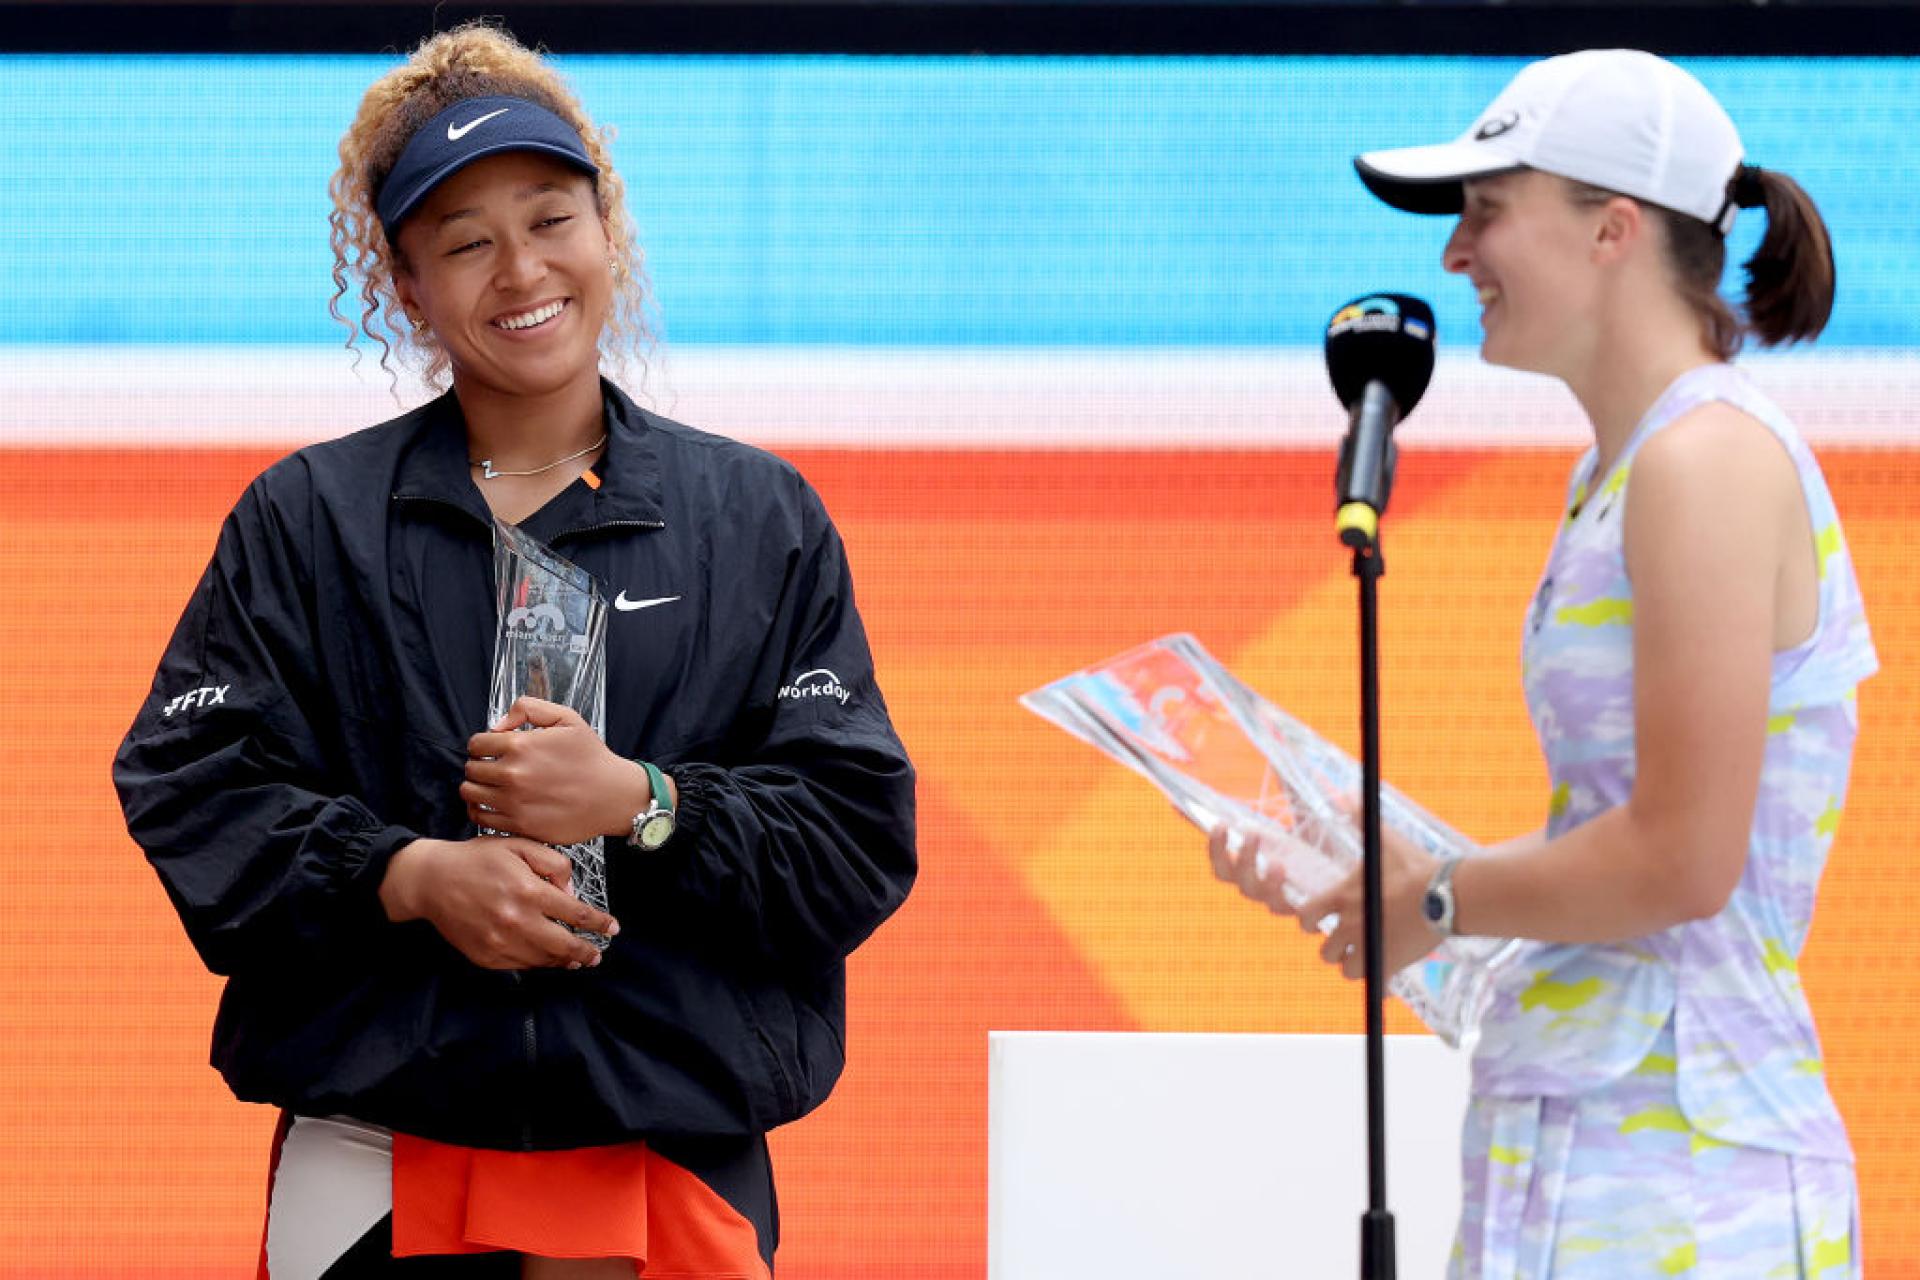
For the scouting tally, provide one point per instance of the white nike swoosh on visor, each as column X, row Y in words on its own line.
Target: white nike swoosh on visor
column 623, row 604
column 457, row 132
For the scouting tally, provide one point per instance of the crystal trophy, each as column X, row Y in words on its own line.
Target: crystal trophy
column 1226, row 756
column 551, row 644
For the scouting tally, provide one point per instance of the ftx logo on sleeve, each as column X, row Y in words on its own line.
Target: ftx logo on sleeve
column 207, row 695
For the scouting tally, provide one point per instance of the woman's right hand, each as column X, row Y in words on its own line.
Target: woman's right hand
column 499, row 900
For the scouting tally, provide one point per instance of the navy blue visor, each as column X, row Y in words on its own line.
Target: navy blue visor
column 465, row 132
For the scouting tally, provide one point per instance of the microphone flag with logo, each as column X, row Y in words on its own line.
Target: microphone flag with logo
column 1380, row 351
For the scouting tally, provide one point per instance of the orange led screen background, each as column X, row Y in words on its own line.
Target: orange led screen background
column 1056, row 891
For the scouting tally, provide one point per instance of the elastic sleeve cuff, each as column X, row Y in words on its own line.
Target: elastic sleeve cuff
column 377, row 849
column 694, row 791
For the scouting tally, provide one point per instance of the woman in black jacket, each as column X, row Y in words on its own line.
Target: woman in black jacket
column 459, row 1071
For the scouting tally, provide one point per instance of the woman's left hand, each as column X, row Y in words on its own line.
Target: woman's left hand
column 556, row 783
column 1405, row 869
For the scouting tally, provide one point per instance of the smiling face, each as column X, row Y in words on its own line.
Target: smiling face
column 507, row 263
column 1530, row 251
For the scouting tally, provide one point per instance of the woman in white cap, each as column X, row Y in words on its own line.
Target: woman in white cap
column 1648, row 1095
column 468, row 1086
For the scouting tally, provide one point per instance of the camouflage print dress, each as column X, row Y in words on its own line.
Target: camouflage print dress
column 1658, row 1107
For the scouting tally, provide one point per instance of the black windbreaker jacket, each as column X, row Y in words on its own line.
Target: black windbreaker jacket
column 310, row 717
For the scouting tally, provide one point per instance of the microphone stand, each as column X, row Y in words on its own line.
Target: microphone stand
column 1359, row 528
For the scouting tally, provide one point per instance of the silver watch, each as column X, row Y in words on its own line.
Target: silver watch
column 1437, row 906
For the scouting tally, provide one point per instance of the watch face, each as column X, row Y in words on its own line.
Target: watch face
column 1434, row 907
column 655, row 830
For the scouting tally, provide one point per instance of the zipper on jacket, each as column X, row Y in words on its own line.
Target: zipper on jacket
column 530, row 1044
column 451, row 506
column 528, row 1037
column 584, row 530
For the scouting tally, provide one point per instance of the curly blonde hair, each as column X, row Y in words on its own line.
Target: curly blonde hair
column 471, row 61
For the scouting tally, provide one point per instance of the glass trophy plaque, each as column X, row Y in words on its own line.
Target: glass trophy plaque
column 551, row 644
column 1226, row 756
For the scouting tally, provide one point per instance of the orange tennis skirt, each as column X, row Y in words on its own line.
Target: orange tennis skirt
column 625, row 1201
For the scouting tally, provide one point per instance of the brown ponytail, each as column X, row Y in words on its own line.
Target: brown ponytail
column 1790, row 277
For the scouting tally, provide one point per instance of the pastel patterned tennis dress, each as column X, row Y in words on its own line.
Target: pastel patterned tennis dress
column 1658, row 1107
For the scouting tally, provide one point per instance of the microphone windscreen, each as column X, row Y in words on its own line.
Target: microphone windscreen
column 1386, row 338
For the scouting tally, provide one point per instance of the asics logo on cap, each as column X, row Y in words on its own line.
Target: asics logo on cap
column 1496, row 126
column 457, row 132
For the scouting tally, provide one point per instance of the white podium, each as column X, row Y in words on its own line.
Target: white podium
column 1130, row 1155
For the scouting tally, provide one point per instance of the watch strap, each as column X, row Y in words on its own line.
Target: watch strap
column 662, row 798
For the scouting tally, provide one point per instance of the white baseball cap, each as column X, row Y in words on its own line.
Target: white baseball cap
column 1619, row 119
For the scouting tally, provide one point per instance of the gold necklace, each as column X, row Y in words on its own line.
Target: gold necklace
column 487, row 471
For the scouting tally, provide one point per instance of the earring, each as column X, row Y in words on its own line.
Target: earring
column 419, row 323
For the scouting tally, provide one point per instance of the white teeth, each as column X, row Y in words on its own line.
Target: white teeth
column 531, row 318
column 1487, row 294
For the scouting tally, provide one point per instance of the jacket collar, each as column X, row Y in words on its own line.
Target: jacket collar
column 435, row 467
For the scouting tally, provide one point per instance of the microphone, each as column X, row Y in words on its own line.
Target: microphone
column 1380, row 358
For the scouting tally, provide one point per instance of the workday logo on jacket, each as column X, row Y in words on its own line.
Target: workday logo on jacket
column 817, row 683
